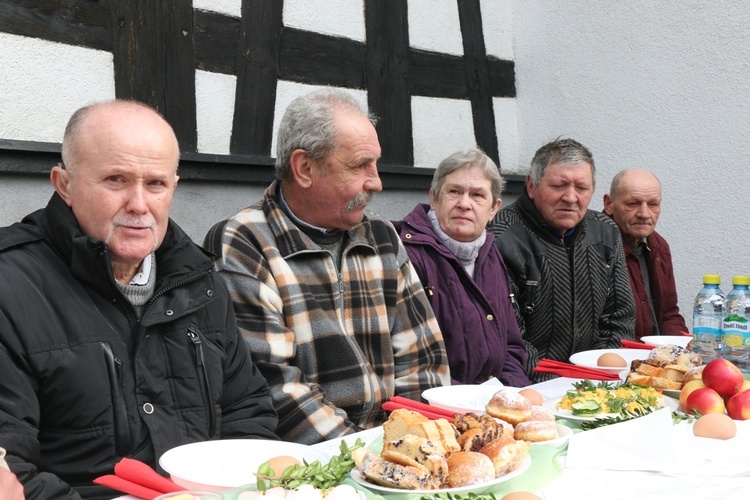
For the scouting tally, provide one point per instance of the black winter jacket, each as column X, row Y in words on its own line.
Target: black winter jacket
column 570, row 298
column 85, row 383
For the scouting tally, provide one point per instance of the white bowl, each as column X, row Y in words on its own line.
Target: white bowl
column 467, row 398
column 228, row 463
column 680, row 340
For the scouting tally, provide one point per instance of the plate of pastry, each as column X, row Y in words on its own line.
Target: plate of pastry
column 478, row 487
column 422, row 456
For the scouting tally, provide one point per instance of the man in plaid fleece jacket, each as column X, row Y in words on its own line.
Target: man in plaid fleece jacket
column 324, row 293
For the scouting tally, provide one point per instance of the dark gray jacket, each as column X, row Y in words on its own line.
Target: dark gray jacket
column 85, row 383
column 570, row 298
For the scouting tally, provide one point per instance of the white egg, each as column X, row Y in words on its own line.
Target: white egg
column 305, row 492
column 343, row 492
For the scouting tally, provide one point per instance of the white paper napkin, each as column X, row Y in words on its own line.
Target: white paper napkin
column 653, row 443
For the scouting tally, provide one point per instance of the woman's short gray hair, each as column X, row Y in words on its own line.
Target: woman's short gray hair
column 309, row 123
column 467, row 158
column 564, row 151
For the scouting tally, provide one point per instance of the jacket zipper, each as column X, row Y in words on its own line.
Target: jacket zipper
column 120, row 417
column 203, row 377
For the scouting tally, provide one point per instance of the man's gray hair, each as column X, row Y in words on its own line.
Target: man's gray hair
column 567, row 152
column 467, row 158
column 309, row 124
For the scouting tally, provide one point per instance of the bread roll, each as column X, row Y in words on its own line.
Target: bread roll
column 469, row 467
column 536, row 431
column 541, row 413
column 694, row 373
column 510, row 406
column 506, row 455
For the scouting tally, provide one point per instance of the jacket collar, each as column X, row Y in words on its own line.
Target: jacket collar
column 290, row 240
column 176, row 258
column 420, row 230
column 529, row 210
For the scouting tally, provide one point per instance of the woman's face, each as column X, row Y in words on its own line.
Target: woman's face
column 464, row 204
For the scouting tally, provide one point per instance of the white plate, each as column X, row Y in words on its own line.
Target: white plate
column 680, row 340
column 568, row 414
column 474, row 488
column 463, row 398
column 589, row 358
column 228, row 463
column 563, row 432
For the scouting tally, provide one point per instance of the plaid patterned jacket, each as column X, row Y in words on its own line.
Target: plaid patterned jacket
column 332, row 346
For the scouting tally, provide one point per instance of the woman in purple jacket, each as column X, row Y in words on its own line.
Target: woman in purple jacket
column 463, row 273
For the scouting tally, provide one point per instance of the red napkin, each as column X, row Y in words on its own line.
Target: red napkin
column 635, row 344
column 573, row 371
column 138, row 479
column 431, row 412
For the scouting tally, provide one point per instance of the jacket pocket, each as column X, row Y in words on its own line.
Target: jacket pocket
column 202, row 375
column 119, row 413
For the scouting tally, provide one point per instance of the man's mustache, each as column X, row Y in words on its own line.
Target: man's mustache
column 360, row 200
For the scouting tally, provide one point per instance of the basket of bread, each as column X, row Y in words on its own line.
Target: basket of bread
column 469, row 450
column 666, row 367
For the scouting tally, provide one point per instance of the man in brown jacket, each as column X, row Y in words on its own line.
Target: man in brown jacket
column 634, row 202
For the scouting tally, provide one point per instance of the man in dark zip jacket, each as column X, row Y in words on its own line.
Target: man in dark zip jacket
column 117, row 338
column 566, row 262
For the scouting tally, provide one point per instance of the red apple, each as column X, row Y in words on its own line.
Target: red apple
column 738, row 406
column 723, row 377
column 687, row 389
column 703, row 401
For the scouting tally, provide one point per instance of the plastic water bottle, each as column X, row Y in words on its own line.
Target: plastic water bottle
column 735, row 328
column 708, row 312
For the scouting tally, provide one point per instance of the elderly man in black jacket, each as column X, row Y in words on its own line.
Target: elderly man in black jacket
column 566, row 262
column 117, row 338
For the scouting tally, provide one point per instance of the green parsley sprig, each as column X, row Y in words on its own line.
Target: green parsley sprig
column 321, row 476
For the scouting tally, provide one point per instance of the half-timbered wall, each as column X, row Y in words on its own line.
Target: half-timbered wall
column 222, row 73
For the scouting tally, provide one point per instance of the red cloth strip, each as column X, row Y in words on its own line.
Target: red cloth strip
column 419, row 404
column 390, row 406
column 573, row 371
column 634, row 344
column 129, row 487
column 140, row 473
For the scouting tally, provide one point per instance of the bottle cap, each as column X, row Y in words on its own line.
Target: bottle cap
column 711, row 279
column 741, row 280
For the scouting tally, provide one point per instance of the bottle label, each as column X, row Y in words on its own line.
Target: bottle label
column 735, row 331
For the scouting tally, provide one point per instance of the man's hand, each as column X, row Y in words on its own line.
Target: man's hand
column 10, row 488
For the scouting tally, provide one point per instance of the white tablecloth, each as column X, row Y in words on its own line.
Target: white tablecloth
column 585, row 484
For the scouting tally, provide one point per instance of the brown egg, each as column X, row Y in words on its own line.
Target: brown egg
column 278, row 464
column 611, row 360
column 521, row 495
column 533, row 396
column 716, row 426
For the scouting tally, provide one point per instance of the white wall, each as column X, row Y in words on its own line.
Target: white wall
column 657, row 85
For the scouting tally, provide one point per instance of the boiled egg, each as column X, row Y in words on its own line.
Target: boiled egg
column 521, row 495
column 280, row 463
column 611, row 360
column 533, row 396
column 716, row 426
